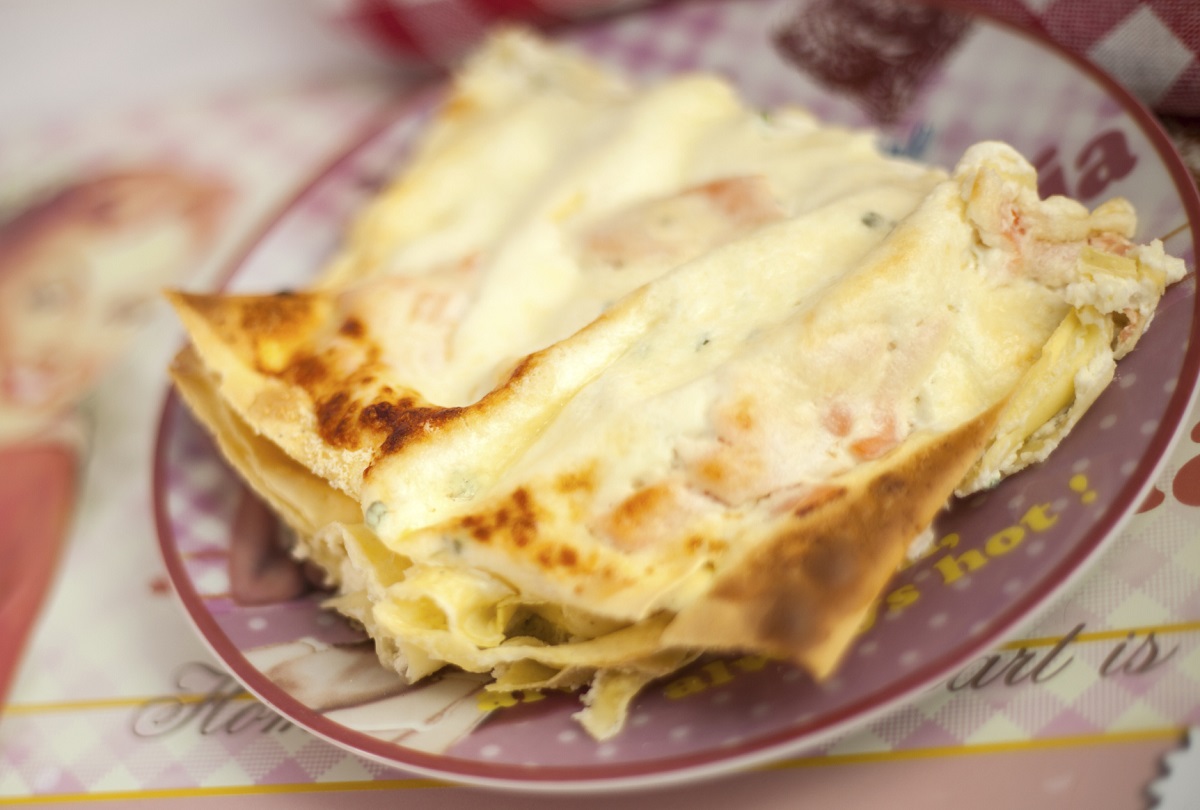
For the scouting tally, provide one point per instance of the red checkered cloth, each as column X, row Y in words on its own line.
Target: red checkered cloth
column 1152, row 46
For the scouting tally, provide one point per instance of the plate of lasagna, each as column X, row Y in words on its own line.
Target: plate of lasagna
column 673, row 394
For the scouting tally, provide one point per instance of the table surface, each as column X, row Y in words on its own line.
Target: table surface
column 111, row 641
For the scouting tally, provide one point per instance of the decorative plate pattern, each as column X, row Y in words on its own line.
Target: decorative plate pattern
column 998, row 557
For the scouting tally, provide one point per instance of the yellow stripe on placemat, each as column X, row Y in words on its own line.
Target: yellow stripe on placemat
column 107, row 703
column 1075, row 741
column 231, row 790
column 1105, row 635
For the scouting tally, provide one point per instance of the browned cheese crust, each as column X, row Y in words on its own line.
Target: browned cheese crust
column 303, row 501
column 804, row 594
column 309, row 377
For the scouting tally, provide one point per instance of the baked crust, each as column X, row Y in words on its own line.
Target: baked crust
column 305, row 502
column 803, row 594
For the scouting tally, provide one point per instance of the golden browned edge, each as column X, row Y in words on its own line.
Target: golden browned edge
column 304, row 501
column 310, row 378
column 803, row 594
column 244, row 323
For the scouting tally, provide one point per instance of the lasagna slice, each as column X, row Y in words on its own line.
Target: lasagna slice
column 610, row 377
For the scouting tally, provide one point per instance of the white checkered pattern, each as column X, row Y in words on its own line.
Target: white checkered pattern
column 1153, row 46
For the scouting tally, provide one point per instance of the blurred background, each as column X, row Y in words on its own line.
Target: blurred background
column 81, row 55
